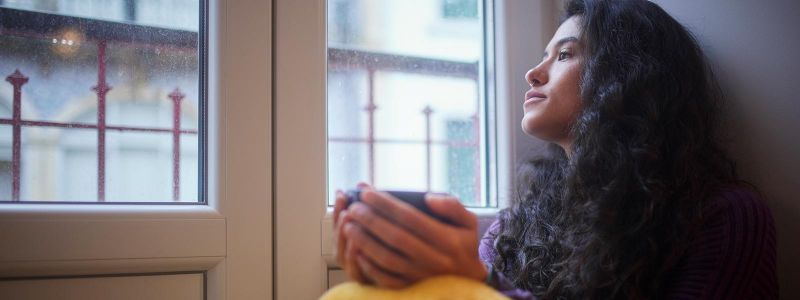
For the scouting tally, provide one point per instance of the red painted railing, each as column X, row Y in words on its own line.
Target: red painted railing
column 102, row 88
column 18, row 79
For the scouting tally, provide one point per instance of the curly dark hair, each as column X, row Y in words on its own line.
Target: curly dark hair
column 611, row 219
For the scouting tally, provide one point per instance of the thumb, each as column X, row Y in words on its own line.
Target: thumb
column 451, row 209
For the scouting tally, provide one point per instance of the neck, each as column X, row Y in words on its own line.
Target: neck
column 566, row 146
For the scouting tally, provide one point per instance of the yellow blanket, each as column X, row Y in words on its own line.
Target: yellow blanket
column 436, row 288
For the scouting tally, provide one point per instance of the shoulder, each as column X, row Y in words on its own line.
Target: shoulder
column 733, row 254
column 737, row 217
column 738, row 199
column 741, row 212
column 486, row 249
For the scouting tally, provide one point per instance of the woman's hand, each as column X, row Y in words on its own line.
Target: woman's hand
column 340, row 217
column 393, row 244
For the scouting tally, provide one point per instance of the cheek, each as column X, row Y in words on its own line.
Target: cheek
column 569, row 86
column 553, row 119
column 570, row 104
column 569, row 95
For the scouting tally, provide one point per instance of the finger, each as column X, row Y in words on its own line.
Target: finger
column 382, row 256
column 390, row 234
column 403, row 214
column 341, row 201
column 380, row 277
column 351, row 266
column 341, row 238
column 451, row 209
column 363, row 185
column 341, row 242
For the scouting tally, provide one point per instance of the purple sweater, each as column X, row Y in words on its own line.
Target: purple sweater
column 732, row 257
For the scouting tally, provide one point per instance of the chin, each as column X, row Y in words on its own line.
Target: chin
column 534, row 128
column 530, row 128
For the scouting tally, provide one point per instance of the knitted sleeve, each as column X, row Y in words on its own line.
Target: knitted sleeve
column 496, row 279
column 732, row 256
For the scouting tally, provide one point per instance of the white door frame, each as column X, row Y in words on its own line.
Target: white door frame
column 300, row 147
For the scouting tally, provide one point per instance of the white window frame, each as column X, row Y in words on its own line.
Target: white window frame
column 229, row 240
column 304, row 247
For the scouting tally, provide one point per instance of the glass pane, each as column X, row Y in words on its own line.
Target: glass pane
column 347, row 100
column 174, row 14
column 138, row 166
column 48, row 64
column 401, row 167
column 409, row 93
column 384, row 26
column 108, row 96
column 5, row 162
column 77, row 178
column 189, row 172
column 140, row 94
column 403, row 99
column 57, row 164
column 347, row 160
column 455, row 9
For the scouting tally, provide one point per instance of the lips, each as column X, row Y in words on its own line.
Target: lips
column 533, row 96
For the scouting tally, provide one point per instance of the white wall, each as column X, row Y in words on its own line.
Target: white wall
column 522, row 47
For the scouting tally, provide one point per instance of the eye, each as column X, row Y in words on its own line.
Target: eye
column 563, row 55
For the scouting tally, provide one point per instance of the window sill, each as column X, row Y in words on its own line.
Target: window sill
column 63, row 239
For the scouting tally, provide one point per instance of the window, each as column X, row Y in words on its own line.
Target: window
column 408, row 106
column 102, row 101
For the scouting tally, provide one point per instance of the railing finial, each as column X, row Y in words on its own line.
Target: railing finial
column 176, row 94
column 17, row 78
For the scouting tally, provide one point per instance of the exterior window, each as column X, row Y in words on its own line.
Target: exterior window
column 407, row 100
column 461, row 162
column 102, row 101
column 460, row 9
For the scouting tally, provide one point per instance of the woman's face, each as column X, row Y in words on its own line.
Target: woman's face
column 553, row 103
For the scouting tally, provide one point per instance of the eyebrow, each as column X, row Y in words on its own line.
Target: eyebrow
column 562, row 42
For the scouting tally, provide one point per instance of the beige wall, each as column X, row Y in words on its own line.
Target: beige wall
column 755, row 46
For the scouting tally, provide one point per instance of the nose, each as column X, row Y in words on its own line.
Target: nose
column 536, row 76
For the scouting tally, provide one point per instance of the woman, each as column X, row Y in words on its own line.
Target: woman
column 636, row 199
